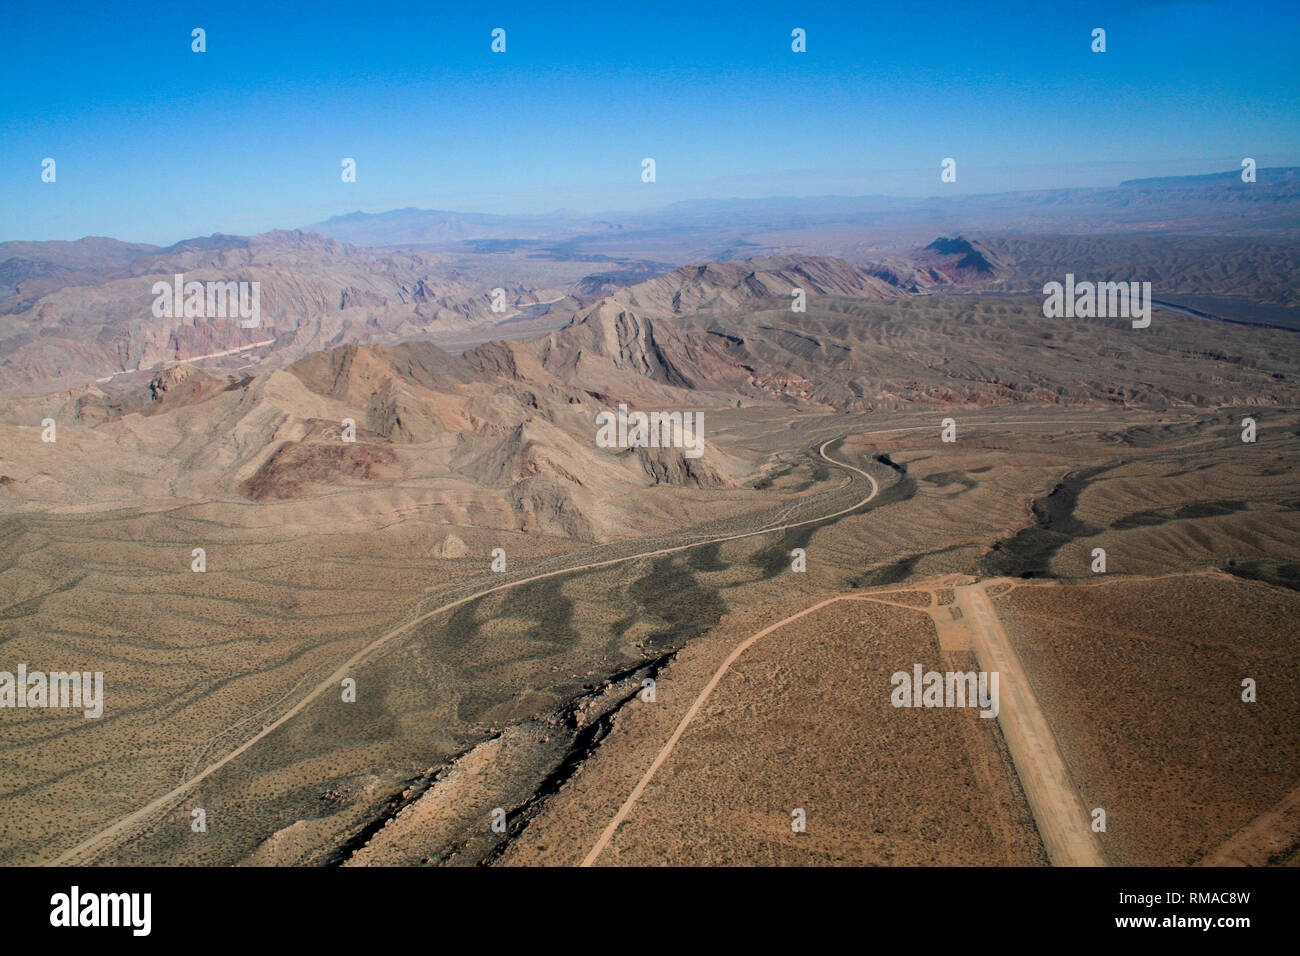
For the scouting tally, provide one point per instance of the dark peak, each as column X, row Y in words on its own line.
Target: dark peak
column 973, row 258
column 951, row 247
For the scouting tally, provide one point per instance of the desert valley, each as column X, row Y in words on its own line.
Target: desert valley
column 366, row 589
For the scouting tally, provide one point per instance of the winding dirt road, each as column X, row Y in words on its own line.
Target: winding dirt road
column 160, row 803
column 685, row 722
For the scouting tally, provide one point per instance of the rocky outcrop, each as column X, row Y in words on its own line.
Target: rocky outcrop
column 296, row 468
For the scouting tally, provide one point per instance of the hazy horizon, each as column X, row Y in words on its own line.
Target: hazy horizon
column 250, row 134
column 602, row 214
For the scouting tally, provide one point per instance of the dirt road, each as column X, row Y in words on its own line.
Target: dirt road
column 685, row 722
column 332, row 682
column 136, row 818
column 1063, row 822
column 1271, row 833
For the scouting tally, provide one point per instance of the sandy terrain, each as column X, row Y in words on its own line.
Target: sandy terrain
column 1145, row 701
column 803, row 720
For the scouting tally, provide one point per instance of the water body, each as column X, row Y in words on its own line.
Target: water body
column 1235, row 309
column 1231, row 308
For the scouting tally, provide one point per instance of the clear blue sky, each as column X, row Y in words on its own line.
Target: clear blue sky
column 155, row 143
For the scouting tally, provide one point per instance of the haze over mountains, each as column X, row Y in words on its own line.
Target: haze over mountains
column 78, row 312
column 1192, row 204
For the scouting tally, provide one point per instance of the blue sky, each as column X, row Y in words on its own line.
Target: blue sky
column 155, row 143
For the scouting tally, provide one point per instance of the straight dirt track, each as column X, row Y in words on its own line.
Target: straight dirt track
column 1062, row 821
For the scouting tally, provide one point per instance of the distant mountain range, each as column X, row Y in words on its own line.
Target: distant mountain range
column 1218, row 203
column 76, row 312
column 411, row 225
